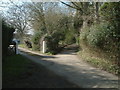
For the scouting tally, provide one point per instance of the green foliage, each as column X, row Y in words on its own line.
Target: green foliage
column 53, row 42
column 36, row 40
column 100, row 36
column 69, row 37
column 104, row 38
column 111, row 11
column 77, row 22
column 7, row 35
column 106, row 35
column 84, row 34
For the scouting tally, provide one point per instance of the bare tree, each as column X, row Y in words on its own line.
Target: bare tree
column 17, row 17
column 36, row 16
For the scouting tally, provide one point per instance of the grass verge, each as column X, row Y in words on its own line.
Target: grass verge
column 100, row 63
column 31, row 49
column 24, row 46
column 15, row 65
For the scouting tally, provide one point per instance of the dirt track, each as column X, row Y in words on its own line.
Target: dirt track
column 68, row 65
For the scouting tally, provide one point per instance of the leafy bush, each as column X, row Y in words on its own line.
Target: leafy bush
column 53, row 42
column 111, row 12
column 102, row 39
column 100, row 36
column 69, row 37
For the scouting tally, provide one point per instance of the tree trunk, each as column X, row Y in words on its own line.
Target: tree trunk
column 96, row 12
column 85, row 23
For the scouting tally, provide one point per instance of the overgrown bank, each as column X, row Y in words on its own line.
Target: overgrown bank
column 100, row 42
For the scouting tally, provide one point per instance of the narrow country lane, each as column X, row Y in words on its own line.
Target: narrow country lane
column 68, row 65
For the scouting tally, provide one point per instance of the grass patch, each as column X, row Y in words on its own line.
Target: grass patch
column 48, row 53
column 15, row 65
column 31, row 49
column 101, row 63
column 15, row 68
column 24, row 46
column 20, row 72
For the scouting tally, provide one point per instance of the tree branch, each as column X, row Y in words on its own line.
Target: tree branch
column 70, row 6
column 77, row 6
